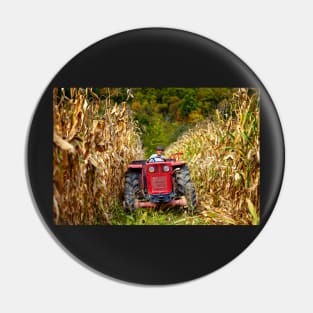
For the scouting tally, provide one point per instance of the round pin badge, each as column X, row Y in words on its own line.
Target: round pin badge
column 155, row 156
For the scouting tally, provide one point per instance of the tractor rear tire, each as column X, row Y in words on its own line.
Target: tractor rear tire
column 185, row 187
column 132, row 190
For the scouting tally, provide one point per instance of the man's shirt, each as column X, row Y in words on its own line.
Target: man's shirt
column 157, row 158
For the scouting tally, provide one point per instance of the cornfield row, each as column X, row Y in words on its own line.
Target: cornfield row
column 94, row 140
column 224, row 160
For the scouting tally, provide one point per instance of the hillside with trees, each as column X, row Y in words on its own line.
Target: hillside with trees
column 163, row 114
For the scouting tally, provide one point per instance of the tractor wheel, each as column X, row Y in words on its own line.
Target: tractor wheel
column 185, row 187
column 132, row 190
column 191, row 197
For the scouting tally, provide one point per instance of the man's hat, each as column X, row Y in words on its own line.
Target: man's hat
column 160, row 148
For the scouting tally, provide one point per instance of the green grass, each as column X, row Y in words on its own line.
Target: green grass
column 156, row 216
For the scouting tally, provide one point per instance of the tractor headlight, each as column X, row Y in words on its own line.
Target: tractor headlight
column 166, row 168
column 151, row 169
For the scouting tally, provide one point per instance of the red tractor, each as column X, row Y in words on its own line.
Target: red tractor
column 152, row 182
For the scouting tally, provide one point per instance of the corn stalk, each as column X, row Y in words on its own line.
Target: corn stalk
column 94, row 140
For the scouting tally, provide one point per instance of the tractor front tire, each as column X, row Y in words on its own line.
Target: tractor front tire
column 132, row 190
column 186, row 188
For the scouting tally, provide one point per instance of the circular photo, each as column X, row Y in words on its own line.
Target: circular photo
column 155, row 156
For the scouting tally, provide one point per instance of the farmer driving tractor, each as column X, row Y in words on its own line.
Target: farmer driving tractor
column 159, row 180
column 158, row 156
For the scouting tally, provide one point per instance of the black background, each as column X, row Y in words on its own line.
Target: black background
column 155, row 58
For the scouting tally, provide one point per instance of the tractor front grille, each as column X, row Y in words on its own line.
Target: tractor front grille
column 159, row 183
